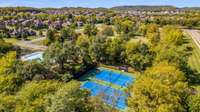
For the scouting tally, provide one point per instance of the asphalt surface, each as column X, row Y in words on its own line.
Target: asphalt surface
column 195, row 34
column 31, row 45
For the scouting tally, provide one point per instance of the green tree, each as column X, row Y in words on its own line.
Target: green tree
column 194, row 103
column 171, row 53
column 117, row 24
column 40, row 33
column 107, row 31
column 152, row 28
column 50, row 35
column 90, row 30
column 33, row 96
column 1, row 36
column 67, row 34
column 170, row 47
column 64, row 57
column 9, row 80
column 34, row 70
column 56, row 55
column 127, row 26
column 24, row 35
column 172, row 35
column 7, row 103
column 8, row 63
column 5, row 47
column 70, row 98
column 153, row 38
column 83, row 42
column 98, row 48
column 142, row 29
column 138, row 55
column 162, row 87
column 114, row 49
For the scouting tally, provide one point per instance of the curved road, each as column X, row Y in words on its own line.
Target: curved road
column 31, row 45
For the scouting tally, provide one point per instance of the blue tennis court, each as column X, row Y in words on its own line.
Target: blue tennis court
column 111, row 96
column 114, row 97
column 114, row 77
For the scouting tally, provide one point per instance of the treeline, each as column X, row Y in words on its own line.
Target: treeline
column 183, row 20
column 156, row 8
column 145, row 8
column 164, row 83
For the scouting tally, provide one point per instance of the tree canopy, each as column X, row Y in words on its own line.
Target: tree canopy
column 161, row 88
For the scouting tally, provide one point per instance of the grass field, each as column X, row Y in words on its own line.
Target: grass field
column 41, row 42
column 194, row 59
column 31, row 38
column 11, row 40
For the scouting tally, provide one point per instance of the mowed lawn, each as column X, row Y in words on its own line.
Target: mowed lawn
column 194, row 60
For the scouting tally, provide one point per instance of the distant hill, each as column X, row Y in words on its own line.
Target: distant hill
column 145, row 8
column 154, row 8
column 191, row 8
column 21, row 9
column 136, row 8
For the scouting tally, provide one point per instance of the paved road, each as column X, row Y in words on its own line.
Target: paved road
column 195, row 36
column 31, row 45
column 38, row 39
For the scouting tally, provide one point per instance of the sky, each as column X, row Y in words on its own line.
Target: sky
column 96, row 3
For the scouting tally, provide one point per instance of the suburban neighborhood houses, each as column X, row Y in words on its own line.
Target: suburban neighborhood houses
column 99, row 59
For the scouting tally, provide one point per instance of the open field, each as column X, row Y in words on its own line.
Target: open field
column 194, row 59
column 31, row 45
column 11, row 40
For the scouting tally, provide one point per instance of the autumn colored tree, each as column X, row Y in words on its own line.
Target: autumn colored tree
column 90, row 30
column 50, row 35
column 194, row 101
column 172, row 35
column 162, row 87
column 107, row 31
column 138, row 55
column 70, row 98
column 33, row 96
column 10, row 81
